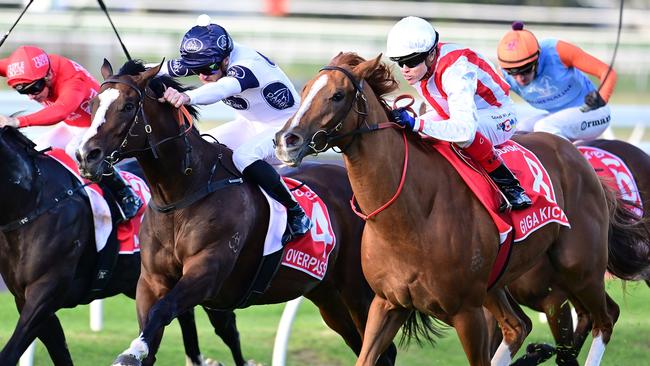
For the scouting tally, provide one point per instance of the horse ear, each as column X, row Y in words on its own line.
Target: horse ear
column 364, row 69
column 152, row 72
column 107, row 69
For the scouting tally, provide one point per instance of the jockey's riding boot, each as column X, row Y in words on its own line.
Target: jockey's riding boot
column 127, row 200
column 482, row 152
column 263, row 174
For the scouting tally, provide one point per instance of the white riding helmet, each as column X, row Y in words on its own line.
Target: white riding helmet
column 410, row 35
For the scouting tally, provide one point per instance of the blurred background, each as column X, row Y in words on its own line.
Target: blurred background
column 302, row 35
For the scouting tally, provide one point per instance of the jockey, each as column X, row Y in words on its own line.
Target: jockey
column 550, row 75
column 470, row 101
column 262, row 96
column 65, row 89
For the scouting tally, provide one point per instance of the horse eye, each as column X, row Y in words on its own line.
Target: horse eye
column 129, row 107
column 338, row 96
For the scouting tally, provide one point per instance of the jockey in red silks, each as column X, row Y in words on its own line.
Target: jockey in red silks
column 65, row 89
column 551, row 76
column 470, row 101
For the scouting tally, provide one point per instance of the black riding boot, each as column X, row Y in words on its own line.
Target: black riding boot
column 263, row 174
column 127, row 200
column 510, row 187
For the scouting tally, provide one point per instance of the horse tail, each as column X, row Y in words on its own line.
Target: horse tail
column 629, row 239
column 421, row 328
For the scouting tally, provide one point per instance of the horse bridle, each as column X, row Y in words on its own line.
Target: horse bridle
column 139, row 115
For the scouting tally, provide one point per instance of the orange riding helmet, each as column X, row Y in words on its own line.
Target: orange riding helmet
column 518, row 47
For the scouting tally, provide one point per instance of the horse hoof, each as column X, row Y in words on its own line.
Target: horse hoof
column 540, row 351
column 126, row 360
column 211, row 362
column 252, row 363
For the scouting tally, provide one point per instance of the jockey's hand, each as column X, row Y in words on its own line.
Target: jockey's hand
column 175, row 98
column 593, row 100
column 8, row 121
column 403, row 118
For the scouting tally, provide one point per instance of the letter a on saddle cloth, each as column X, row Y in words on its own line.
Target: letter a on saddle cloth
column 534, row 178
column 127, row 232
column 310, row 252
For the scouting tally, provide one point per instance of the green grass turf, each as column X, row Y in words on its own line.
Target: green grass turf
column 311, row 342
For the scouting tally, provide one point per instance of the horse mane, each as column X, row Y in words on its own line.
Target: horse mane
column 157, row 84
column 381, row 80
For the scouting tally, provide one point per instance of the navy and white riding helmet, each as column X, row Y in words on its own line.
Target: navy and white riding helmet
column 205, row 44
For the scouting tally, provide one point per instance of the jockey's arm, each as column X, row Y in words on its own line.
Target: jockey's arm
column 72, row 95
column 213, row 92
column 459, row 83
column 573, row 56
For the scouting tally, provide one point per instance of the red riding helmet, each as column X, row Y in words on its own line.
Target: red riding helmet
column 27, row 64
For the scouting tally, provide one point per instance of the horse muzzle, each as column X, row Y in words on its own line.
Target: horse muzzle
column 290, row 148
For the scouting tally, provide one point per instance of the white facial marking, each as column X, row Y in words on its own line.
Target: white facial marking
column 306, row 103
column 107, row 97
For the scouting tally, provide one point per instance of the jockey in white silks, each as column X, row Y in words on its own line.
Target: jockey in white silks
column 262, row 96
column 470, row 101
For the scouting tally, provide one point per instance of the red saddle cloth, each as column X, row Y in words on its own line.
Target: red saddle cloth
column 616, row 174
column 127, row 232
column 310, row 253
column 513, row 226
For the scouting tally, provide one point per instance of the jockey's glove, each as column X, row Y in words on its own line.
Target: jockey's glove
column 593, row 101
column 403, row 118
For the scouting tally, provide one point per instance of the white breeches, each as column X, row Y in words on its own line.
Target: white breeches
column 570, row 123
column 497, row 124
column 61, row 136
column 249, row 140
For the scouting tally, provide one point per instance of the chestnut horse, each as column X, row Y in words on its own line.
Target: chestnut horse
column 48, row 255
column 431, row 245
column 539, row 290
column 206, row 246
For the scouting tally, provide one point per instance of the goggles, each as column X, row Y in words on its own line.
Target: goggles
column 32, row 88
column 411, row 60
column 526, row 69
column 207, row 69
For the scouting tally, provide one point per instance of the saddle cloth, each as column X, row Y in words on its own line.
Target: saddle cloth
column 309, row 253
column 616, row 174
column 127, row 232
column 533, row 178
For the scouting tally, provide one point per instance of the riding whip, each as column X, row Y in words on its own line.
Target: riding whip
column 618, row 39
column 17, row 20
column 103, row 6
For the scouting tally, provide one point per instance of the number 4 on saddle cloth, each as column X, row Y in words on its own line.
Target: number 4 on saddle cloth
column 616, row 174
column 513, row 226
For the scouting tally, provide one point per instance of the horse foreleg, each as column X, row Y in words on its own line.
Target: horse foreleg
column 38, row 307
column 225, row 326
column 515, row 325
column 471, row 328
column 52, row 336
column 384, row 320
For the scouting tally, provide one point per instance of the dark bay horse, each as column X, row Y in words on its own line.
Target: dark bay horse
column 48, row 260
column 205, row 248
column 429, row 253
column 539, row 290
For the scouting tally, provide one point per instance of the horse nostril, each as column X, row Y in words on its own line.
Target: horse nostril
column 292, row 140
column 93, row 155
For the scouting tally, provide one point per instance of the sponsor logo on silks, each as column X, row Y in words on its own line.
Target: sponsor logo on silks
column 586, row 124
column 176, row 68
column 15, row 69
column 237, row 72
column 278, row 95
column 40, row 60
column 222, row 42
column 507, row 125
column 236, row 102
column 542, row 215
column 193, row 45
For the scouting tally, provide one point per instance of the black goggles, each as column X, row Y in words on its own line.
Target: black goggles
column 32, row 88
column 207, row 69
column 526, row 69
column 411, row 60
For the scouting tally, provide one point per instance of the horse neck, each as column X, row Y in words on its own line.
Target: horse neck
column 375, row 162
column 165, row 174
column 17, row 183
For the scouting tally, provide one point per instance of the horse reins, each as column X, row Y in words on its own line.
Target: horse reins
column 362, row 119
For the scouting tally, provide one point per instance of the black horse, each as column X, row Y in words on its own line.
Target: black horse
column 48, row 257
